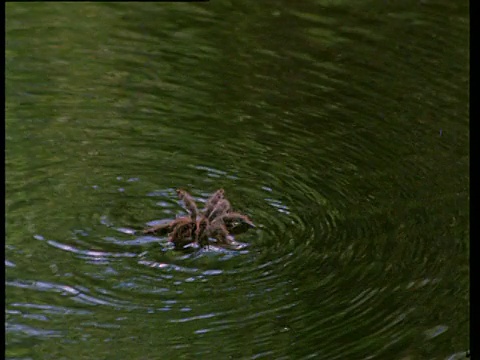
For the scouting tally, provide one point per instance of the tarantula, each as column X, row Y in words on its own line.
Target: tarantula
column 216, row 220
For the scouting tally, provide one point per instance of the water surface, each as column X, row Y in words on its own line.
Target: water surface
column 340, row 129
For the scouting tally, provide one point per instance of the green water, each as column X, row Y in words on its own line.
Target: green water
column 340, row 128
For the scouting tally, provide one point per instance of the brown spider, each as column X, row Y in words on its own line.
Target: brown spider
column 216, row 220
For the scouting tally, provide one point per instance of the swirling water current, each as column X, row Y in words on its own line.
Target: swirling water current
column 340, row 128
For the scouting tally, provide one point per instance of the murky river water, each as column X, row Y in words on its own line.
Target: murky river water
column 340, row 128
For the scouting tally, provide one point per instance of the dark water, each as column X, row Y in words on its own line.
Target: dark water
column 340, row 128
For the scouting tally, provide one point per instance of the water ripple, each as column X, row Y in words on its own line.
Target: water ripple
column 342, row 135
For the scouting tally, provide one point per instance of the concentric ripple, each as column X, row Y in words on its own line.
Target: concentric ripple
column 340, row 129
